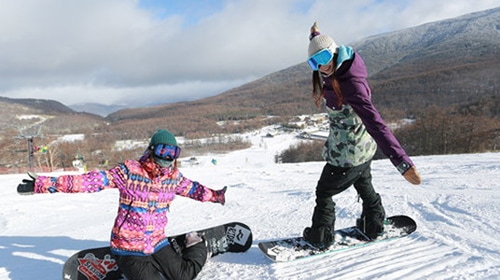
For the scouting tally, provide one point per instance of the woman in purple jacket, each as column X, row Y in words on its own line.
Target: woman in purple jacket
column 147, row 187
column 356, row 128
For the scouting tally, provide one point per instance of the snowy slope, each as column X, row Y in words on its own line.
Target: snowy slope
column 456, row 209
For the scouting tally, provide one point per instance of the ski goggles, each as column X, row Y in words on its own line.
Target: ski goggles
column 323, row 57
column 166, row 152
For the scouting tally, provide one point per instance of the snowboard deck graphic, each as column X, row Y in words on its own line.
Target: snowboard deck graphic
column 295, row 248
column 99, row 264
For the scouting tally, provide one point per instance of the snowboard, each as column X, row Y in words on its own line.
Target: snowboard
column 99, row 264
column 295, row 248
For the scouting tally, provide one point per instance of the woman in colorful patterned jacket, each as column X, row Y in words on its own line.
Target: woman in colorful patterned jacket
column 147, row 187
column 356, row 128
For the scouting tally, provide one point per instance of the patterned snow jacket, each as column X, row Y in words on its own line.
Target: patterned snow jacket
column 139, row 227
column 356, row 122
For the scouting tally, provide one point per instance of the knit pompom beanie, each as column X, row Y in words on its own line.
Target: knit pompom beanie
column 320, row 41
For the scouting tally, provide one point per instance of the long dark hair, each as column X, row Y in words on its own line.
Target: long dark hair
column 318, row 89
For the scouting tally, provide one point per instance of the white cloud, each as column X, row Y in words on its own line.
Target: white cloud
column 129, row 96
column 115, row 52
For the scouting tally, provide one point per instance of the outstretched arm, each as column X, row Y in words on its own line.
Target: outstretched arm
column 197, row 191
column 93, row 181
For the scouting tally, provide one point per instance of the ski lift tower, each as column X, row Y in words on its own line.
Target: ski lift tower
column 29, row 145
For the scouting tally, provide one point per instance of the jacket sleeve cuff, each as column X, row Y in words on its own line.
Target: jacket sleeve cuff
column 403, row 167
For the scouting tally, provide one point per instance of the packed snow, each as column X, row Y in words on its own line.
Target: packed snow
column 456, row 208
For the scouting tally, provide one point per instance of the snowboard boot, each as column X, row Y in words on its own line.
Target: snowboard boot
column 321, row 238
column 372, row 219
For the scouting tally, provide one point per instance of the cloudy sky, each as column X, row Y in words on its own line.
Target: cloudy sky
column 135, row 53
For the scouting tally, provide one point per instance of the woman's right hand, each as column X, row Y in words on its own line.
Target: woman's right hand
column 411, row 175
column 27, row 186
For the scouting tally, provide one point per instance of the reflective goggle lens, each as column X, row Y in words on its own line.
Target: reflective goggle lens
column 322, row 57
column 166, row 152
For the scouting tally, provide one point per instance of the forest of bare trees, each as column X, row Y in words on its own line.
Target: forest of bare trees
column 441, row 131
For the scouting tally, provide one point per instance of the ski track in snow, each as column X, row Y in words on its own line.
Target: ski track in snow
column 456, row 209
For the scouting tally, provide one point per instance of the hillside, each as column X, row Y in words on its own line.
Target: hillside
column 26, row 115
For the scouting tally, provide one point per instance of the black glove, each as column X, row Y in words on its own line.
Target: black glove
column 27, row 186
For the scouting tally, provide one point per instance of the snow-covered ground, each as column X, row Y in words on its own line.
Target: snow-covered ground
column 456, row 208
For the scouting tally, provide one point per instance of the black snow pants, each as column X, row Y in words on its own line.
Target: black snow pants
column 166, row 264
column 335, row 180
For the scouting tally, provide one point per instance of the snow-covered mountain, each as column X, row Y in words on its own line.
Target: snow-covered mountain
column 456, row 209
column 462, row 39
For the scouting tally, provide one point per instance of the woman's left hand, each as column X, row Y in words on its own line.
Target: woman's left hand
column 220, row 196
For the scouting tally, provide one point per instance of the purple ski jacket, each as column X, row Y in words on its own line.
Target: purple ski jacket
column 356, row 93
column 139, row 227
